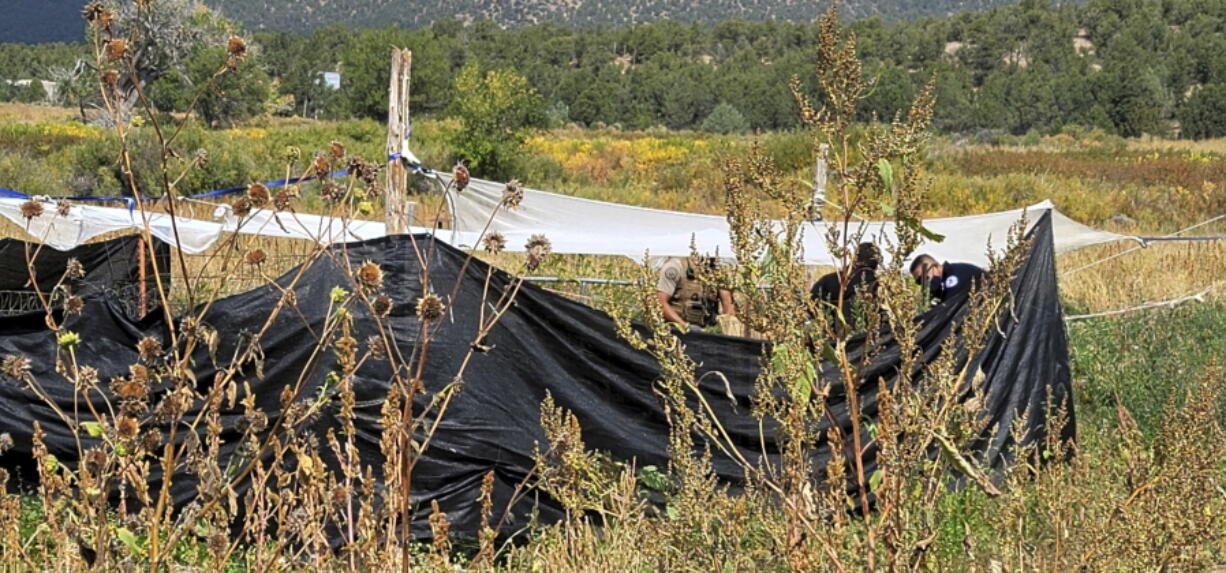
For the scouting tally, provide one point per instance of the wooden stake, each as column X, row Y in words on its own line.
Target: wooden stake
column 395, row 215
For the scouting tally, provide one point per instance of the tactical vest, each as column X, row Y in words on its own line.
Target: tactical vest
column 696, row 303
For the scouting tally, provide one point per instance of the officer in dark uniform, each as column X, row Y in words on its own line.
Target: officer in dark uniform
column 861, row 283
column 944, row 280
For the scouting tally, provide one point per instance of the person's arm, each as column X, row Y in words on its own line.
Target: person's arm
column 727, row 306
column 670, row 314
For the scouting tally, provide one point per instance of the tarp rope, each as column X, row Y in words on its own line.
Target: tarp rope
column 1198, row 296
column 1146, row 240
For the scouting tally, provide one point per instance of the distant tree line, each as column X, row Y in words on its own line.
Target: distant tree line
column 1129, row 67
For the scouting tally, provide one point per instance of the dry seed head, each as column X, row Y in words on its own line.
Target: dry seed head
column 370, row 276
column 202, row 157
column 152, row 439
column 281, row 201
column 74, row 269
column 6, row 442
column 150, row 348
column 98, row 15
column 109, row 78
column 337, row 149
column 256, row 257
column 494, row 242
column 321, row 167
column 382, row 305
column 140, row 372
column 332, row 192
column 237, row 47
column 116, row 49
column 512, row 194
column 538, row 247
column 87, row 376
column 242, row 207
column 126, row 427
column 460, row 177
column 258, row 194
column 95, row 461
column 253, row 421
column 16, row 366
column 219, row 542
column 376, row 348
column 340, row 494
column 93, row 11
column 31, row 209
column 293, row 153
column 63, row 207
column 73, row 305
column 430, row 307
column 129, row 389
column 362, row 170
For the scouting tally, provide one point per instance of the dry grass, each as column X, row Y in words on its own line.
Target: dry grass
column 29, row 113
column 1162, row 271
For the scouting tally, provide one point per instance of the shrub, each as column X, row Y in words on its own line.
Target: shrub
column 725, row 119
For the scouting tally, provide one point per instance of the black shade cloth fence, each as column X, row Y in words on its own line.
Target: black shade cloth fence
column 110, row 266
column 544, row 344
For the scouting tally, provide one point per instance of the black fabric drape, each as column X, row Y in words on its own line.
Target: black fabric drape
column 109, row 265
column 544, row 344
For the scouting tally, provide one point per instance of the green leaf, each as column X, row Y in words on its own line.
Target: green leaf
column 930, row 234
column 128, row 538
column 874, row 481
column 828, row 354
column 653, row 478
column 94, row 429
column 886, row 170
column 888, row 209
column 919, row 227
column 670, row 511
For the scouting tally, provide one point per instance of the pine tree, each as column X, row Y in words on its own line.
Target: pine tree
column 725, row 119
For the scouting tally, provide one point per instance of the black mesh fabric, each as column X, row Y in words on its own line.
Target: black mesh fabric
column 544, row 344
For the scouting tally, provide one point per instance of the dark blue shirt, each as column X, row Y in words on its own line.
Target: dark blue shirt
column 956, row 278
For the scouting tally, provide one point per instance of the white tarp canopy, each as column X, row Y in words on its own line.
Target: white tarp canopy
column 194, row 236
column 573, row 225
column 576, row 225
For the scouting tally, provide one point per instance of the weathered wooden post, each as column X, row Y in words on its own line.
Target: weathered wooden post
column 396, row 216
column 819, row 184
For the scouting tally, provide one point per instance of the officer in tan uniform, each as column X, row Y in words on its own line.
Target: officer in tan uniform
column 686, row 301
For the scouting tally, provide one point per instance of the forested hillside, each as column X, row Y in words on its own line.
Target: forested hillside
column 1126, row 66
column 1129, row 67
column 306, row 15
column 36, row 21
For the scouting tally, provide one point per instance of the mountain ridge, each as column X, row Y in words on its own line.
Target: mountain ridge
column 38, row 21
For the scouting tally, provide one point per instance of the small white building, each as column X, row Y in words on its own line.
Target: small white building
column 330, row 79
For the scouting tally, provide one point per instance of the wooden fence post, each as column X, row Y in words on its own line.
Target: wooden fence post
column 819, row 184
column 395, row 215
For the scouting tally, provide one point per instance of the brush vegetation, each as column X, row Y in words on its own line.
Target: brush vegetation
column 1143, row 488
